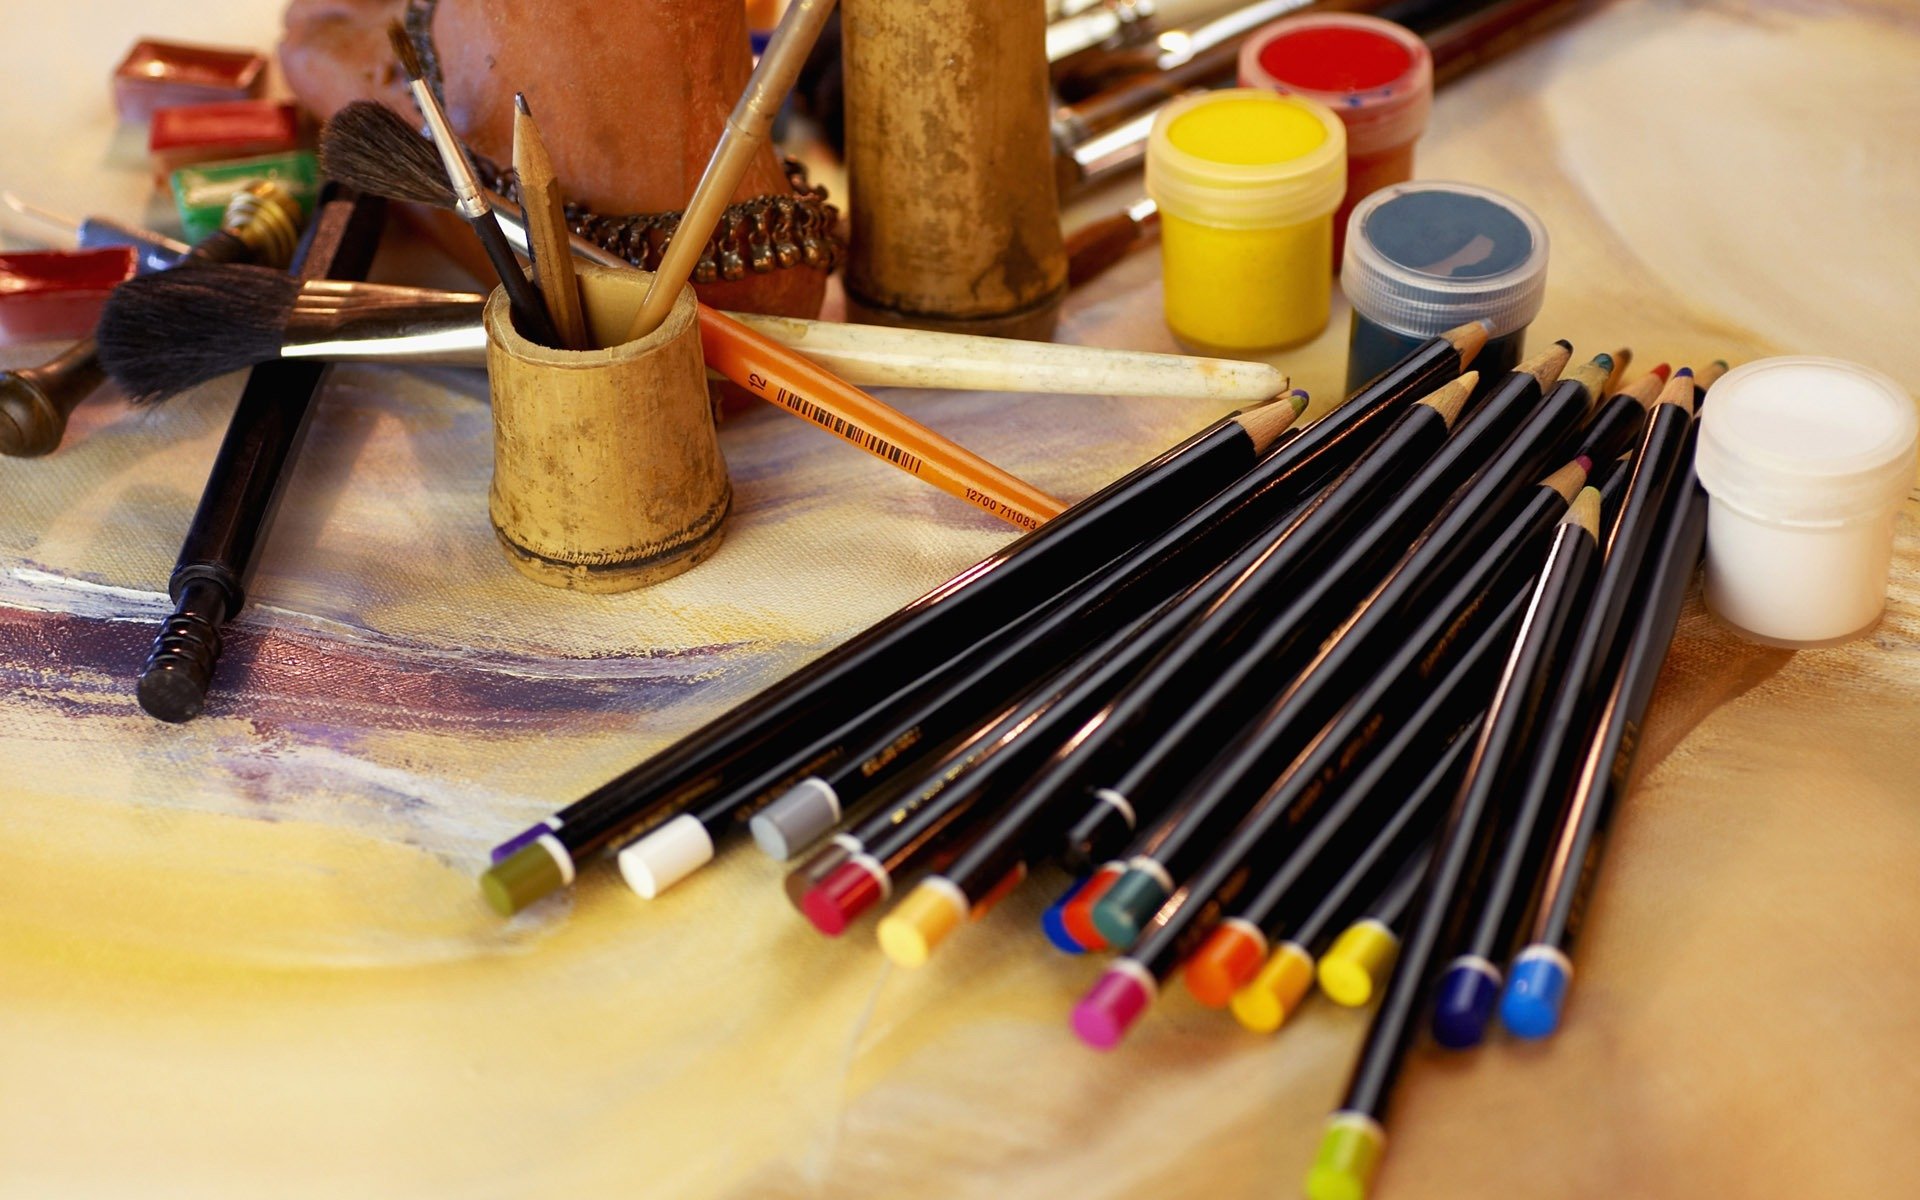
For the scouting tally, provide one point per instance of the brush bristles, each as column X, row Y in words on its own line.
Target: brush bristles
column 370, row 147
column 163, row 333
column 404, row 50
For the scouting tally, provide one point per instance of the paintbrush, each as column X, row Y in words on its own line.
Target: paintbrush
column 529, row 311
column 745, row 133
column 163, row 334
column 546, row 221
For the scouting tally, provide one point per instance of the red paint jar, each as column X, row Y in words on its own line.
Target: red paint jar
column 55, row 295
column 1377, row 75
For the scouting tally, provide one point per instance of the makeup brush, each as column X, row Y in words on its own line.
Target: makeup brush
column 744, row 134
column 163, row 334
column 529, row 311
column 172, row 331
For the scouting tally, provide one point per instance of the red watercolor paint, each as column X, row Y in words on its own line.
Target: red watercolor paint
column 53, row 295
column 1377, row 75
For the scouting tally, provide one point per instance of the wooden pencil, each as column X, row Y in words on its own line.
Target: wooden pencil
column 998, row 590
column 811, row 392
column 1542, row 971
column 547, row 229
column 1354, row 1140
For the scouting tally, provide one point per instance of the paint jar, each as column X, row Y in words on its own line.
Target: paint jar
column 1423, row 258
column 1247, row 182
column 1805, row 462
column 607, row 472
column 1378, row 76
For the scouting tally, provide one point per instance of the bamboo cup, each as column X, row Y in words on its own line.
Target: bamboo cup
column 607, row 474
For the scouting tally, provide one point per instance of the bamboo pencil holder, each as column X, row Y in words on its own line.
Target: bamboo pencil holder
column 607, row 473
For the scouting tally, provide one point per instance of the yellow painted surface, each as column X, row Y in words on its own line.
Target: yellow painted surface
column 245, row 957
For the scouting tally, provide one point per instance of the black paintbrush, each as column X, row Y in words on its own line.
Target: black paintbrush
column 162, row 334
column 529, row 311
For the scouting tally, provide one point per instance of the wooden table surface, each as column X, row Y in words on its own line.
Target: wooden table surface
column 245, row 956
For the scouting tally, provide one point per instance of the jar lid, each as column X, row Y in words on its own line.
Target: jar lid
column 1423, row 258
column 1807, row 440
column 1244, row 158
column 1378, row 76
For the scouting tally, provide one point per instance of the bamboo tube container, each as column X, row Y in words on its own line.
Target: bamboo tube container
column 607, row 474
column 956, row 215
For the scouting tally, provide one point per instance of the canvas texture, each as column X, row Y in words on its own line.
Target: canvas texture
column 246, row 956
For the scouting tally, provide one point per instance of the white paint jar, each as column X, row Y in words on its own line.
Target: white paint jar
column 1805, row 462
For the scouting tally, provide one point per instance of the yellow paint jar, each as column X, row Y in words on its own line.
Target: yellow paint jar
column 1247, row 182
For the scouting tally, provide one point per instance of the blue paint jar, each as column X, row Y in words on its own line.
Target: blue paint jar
column 1426, row 257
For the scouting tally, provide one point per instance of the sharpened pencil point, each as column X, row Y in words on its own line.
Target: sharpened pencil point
column 520, row 104
column 1592, row 376
column 1451, row 399
column 1265, row 424
column 1585, row 511
column 1469, row 339
column 1546, row 366
column 1679, row 391
column 1568, row 480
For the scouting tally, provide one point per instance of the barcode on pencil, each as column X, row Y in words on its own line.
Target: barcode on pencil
column 872, row 443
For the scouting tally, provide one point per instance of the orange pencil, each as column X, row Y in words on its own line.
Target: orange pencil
column 813, row 393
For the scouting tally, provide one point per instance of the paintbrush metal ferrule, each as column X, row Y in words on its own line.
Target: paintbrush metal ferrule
column 431, row 332
column 468, row 200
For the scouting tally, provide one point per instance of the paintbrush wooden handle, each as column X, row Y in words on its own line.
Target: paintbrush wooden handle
column 887, row 356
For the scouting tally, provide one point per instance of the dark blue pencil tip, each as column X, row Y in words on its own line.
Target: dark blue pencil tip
column 1684, row 371
column 1535, row 994
column 1463, row 1003
column 518, row 841
column 1053, row 922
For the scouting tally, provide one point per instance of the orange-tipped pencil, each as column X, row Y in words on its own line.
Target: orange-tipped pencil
column 813, row 393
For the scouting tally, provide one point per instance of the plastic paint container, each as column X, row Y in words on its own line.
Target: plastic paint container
column 1378, row 76
column 1247, row 182
column 1423, row 258
column 1805, row 462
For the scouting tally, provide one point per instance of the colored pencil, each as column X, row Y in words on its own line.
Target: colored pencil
column 1353, row 969
column 1077, row 915
column 897, row 733
column 1290, row 920
column 998, row 590
column 1705, row 378
column 1351, row 1147
column 1235, row 950
column 1542, row 971
column 1110, row 816
column 1280, row 984
column 1050, row 718
column 1035, row 821
column 1489, row 593
column 1469, row 988
column 857, row 867
column 1295, row 803
column 1216, row 787
column 1616, row 424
